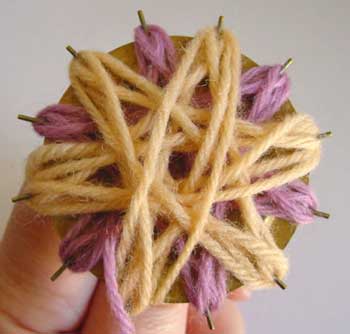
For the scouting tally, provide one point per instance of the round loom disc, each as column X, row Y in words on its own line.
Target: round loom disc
column 281, row 229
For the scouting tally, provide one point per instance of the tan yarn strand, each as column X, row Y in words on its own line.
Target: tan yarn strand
column 213, row 179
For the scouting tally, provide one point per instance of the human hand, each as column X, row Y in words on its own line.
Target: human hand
column 30, row 303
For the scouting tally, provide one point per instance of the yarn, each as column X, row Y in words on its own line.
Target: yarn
column 293, row 201
column 92, row 238
column 115, row 299
column 269, row 89
column 83, row 245
column 265, row 88
column 64, row 122
column 155, row 60
column 76, row 241
column 204, row 278
column 60, row 175
column 155, row 54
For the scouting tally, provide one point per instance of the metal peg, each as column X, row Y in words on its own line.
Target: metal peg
column 220, row 24
column 28, row 118
column 142, row 20
column 280, row 283
column 21, row 197
column 325, row 135
column 210, row 322
column 321, row 214
column 72, row 51
column 286, row 65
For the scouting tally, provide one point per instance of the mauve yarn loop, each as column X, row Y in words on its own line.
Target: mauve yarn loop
column 92, row 238
column 294, row 201
column 204, row 280
column 221, row 210
column 82, row 246
column 64, row 122
column 155, row 54
column 115, row 300
column 204, row 277
column 268, row 88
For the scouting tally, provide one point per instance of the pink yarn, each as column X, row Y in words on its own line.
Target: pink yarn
column 203, row 276
column 65, row 122
column 82, row 247
column 267, row 89
column 263, row 88
column 155, row 54
column 92, row 238
column 221, row 210
column 115, row 300
column 294, row 201
column 204, row 279
column 202, row 98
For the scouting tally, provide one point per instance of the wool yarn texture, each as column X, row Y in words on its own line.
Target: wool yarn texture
column 150, row 164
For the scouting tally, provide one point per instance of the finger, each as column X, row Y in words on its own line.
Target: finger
column 164, row 319
column 227, row 320
column 28, row 257
column 240, row 295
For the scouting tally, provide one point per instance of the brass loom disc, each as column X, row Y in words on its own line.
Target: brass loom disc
column 282, row 230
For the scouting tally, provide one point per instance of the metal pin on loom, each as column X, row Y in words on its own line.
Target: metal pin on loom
column 142, row 20
column 286, row 65
column 321, row 214
column 28, row 118
column 59, row 272
column 61, row 269
column 21, row 197
column 210, row 322
column 325, row 135
column 72, row 51
column 220, row 23
column 280, row 283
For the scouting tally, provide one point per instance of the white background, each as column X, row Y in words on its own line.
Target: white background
column 33, row 68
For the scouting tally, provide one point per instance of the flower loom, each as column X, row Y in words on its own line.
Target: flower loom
column 175, row 169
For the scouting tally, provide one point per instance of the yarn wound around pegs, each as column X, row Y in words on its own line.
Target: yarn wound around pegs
column 174, row 168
